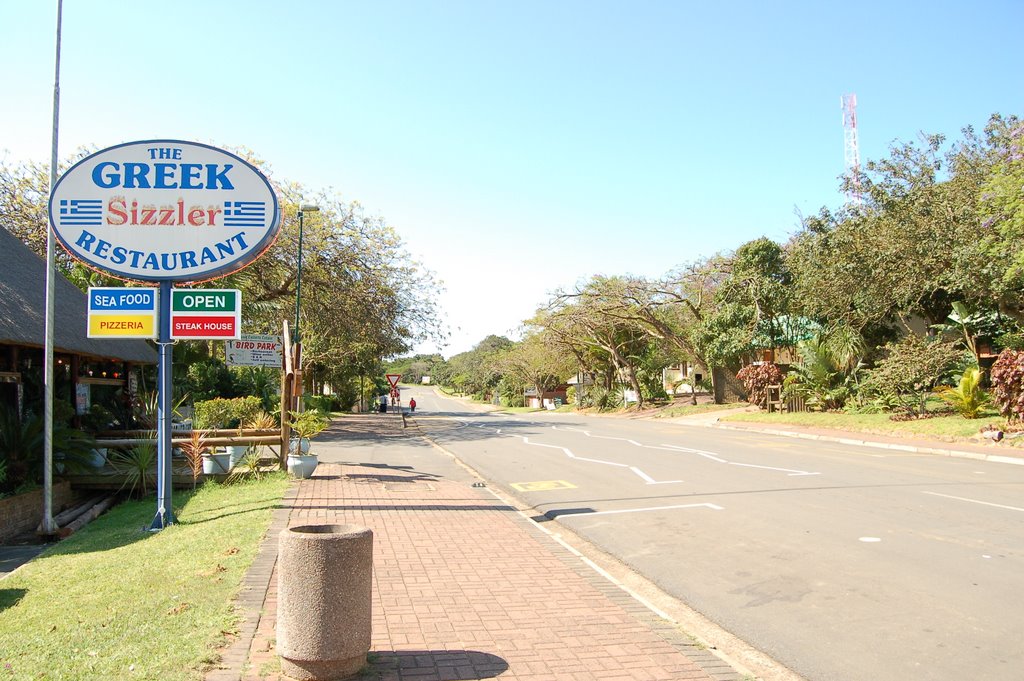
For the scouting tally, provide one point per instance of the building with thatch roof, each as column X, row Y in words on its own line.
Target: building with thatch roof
column 80, row 362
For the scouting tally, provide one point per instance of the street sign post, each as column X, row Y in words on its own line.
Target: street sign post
column 393, row 379
column 254, row 351
column 207, row 314
column 122, row 312
column 168, row 211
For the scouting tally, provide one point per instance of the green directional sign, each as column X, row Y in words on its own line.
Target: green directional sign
column 208, row 300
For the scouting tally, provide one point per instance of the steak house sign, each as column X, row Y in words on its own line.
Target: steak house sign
column 164, row 210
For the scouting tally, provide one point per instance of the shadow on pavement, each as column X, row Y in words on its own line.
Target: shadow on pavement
column 436, row 665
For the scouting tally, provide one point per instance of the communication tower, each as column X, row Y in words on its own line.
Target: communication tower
column 851, row 153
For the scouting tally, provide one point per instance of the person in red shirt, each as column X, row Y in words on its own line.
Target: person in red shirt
column 412, row 404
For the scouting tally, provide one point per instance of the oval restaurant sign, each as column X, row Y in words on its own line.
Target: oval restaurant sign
column 164, row 210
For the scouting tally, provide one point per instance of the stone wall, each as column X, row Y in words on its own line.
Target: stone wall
column 24, row 512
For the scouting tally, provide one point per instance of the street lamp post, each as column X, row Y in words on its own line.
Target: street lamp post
column 303, row 208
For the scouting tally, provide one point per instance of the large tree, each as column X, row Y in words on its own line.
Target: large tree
column 910, row 249
column 537, row 362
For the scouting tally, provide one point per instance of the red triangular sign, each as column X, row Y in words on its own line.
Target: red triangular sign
column 393, row 379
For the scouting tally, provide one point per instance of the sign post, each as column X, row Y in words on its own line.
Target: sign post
column 255, row 351
column 393, row 380
column 167, row 211
column 164, row 510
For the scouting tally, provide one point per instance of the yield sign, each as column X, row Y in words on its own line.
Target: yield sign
column 393, row 379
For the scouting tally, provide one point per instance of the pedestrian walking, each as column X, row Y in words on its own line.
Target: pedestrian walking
column 412, row 404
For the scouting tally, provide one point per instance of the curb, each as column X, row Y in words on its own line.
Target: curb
column 958, row 453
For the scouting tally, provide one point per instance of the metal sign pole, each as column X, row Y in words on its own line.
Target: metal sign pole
column 164, row 509
column 48, row 525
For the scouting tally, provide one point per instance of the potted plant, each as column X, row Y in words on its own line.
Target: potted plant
column 305, row 425
column 213, row 414
column 244, row 410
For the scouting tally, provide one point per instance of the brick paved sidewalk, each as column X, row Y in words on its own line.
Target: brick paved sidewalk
column 465, row 588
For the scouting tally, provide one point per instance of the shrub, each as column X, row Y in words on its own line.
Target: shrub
column 308, row 424
column 1008, row 384
column 21, row 448
column 605, row 400
column 194, row 450
column 215, row 413
column 137, row 465
column 245, row 409
column 968, row 399
column 911, row 370
column 328, row 403
column 756, row 379
column 226, row 413
column 208, row 379
column 822, row 380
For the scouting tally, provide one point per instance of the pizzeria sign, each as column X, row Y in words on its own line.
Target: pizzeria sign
column 164, row 210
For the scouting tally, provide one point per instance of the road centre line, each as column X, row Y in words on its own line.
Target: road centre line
column 790, row 472
column 568, row 452
column 708, row 455
column 974, row 501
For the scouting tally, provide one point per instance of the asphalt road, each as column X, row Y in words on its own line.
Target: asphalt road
column 840, row 562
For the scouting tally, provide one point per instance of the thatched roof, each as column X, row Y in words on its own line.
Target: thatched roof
column 22, row 309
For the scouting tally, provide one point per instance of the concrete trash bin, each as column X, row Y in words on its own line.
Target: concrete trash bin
column 324, row 582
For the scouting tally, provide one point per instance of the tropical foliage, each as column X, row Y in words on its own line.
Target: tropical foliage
column 967, row 398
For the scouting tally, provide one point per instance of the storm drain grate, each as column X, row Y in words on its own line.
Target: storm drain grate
column 408, row 486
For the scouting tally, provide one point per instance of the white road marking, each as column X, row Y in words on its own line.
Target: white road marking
column 870, row 540
column 569, row 453
column 791, row 472
column 714, row 507
column 975, row 501
column 648, row 479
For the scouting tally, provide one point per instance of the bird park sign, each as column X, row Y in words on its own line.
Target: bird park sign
column 164, row 210
column 255, row 351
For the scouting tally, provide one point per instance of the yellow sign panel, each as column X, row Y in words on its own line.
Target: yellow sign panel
column 543, row 485
column 122, row 326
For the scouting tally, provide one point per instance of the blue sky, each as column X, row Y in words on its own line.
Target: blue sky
column 522, row 147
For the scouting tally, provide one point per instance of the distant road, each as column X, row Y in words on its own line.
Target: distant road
column 843, row 563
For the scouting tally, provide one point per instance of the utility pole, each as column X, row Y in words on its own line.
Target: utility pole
column 48, row 526
column 851, row 152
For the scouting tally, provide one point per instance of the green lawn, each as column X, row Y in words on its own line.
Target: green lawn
column 116, row 602
column 949, row 428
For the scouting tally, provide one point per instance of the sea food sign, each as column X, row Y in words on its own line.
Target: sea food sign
column 164, row 210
